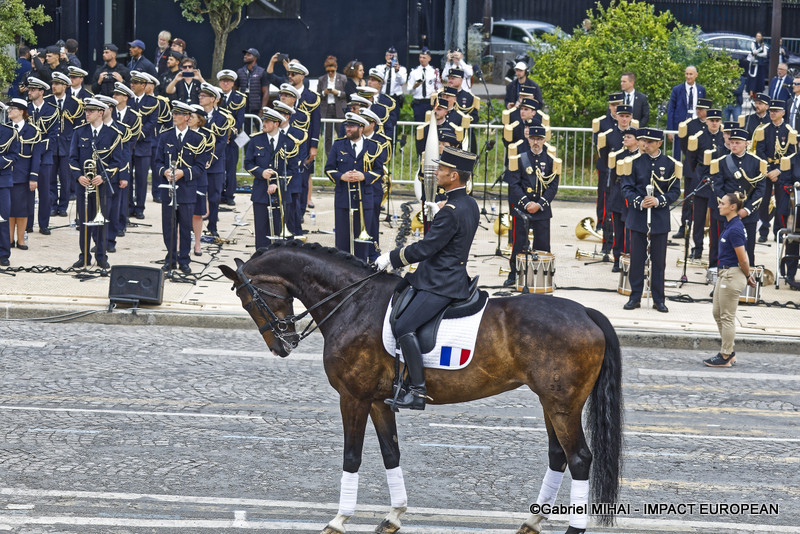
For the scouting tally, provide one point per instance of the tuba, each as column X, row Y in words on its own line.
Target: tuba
column 502, row 224
column 90, row 171
column 584, row 230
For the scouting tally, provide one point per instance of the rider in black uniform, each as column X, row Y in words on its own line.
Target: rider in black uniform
column 441, row 275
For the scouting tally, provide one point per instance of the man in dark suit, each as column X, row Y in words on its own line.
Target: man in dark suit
column 179, row 159
column 780, row 85
column 793, row 105
column 683, row 103
column 634, row 98
column 512, row 89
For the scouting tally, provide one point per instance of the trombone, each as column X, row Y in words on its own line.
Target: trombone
column 90, row 171
column 363, row 236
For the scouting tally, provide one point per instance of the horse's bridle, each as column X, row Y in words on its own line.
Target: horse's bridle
column 280, row 326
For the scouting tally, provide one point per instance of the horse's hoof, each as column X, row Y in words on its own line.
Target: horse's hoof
column 525, row 529
column 574, row 530
column 386, row 527
column 330, row 530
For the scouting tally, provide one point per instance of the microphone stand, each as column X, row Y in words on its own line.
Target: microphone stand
column 687, row 234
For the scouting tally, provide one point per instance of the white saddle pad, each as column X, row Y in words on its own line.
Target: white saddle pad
column 455, row 341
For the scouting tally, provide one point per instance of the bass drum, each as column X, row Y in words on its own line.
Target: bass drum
column 793, row 222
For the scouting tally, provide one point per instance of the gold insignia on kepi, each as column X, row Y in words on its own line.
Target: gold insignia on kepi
column 529, row 170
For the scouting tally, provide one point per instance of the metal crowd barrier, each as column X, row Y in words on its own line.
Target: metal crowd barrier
column 575, row 146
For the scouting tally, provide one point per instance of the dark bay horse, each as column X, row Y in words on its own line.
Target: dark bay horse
column 566, row 353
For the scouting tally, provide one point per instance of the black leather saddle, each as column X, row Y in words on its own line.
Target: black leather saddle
column 426, row 334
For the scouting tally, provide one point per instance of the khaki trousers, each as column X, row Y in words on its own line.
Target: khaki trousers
column 729, row 286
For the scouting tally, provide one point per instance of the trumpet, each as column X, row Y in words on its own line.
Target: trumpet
column 585, row 230
column 585, row 254
column 502, row 224
column 89, row 171
column 363, row 236
column 692, row 262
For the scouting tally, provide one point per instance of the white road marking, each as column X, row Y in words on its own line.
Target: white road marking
column 241, row 522
column 451, row 446
column 64, row 430
column 266, row 354
column 22, row 343
column 131, row 412
column 723, row 374
column 627, row 433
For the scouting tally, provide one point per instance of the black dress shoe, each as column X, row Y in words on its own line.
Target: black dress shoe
column 231, row 202
column 111, row 248
column 660, row 306
column 139, row 216
column 62, row 213
column 44, row 231
column 166, row 267
column 22, row 246
column 632, row 305
column 681, row 233
column 4, row 262
column 53, row 213
column 198, row 252
column 214, row 233
column 414, row 399
column 103, row 264
column 762, row 239
column 157, row 200
column 616, row 268
column 185, row 269
column 121, row 233
column 510, row 281
column 696, row 254
column 79, row 264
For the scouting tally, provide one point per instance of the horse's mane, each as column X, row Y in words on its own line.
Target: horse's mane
column 318, row 250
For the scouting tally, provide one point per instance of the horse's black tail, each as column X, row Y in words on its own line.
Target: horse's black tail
column 605, row 420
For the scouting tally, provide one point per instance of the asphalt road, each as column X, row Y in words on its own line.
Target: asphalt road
column 111, row 430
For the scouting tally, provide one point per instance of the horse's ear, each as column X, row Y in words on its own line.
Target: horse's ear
column 239, row 262
column 228, row 272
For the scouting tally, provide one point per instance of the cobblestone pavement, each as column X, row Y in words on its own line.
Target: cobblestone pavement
column 113, row 430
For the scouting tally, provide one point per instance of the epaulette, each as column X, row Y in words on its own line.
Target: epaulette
column 421, row 131
column 513, row 162
column 742, row 120
column 548, row 134
column 713, row 165
column 628, row 163
column 758, row 134
column 449, row 206
column 601, row 139
column 792, row 140
column 786, row 163
column 546, row 118
column 506, row 115
column 508, row 131
column 476, row 102
column 513, row 148
column 678, row 173
column 635, row 123
column 551, row 151
column 557, row 165
column 692, row 144
column 612, row 157
column 707, row 156
column 311, row 106
column 237, row 105
column 427, row 116
column 683, row 128
column 596, row 123
column 459, row 132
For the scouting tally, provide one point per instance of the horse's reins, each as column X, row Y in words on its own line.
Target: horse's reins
column 280, row 326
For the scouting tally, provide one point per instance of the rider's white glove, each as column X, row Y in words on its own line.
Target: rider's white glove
column 383, row 262
column 433, row 206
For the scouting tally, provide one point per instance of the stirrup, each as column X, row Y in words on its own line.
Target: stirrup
column 414, row 399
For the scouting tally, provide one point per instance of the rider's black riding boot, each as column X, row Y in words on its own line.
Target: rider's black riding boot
column 414, row 398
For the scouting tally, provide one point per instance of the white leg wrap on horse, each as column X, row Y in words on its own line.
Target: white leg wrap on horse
column 579, row 496
column 550, row 486
column 348, row 494
column 397, row 487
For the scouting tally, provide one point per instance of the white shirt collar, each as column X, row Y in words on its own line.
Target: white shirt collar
column 181, row 132
column 359, row 144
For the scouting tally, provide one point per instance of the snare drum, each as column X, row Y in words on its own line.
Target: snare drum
column 541, row 268
column 793, row 222
column 751, row 295
column 711, row 276
column 624, row 286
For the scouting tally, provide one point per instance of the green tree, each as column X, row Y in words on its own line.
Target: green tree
column 16, row 25
column 576, row 74
column 224, row 15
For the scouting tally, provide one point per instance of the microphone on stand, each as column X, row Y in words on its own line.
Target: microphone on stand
column 476, row 70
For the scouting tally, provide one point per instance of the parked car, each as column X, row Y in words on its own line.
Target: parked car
column 737, row 45
column 516, row 37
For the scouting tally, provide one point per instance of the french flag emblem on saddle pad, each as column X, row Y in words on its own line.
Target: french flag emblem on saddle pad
column 455, row 342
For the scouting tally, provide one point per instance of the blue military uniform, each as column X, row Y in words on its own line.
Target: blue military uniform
column 610, row 141
column 163, row 123
column 701, row 149
column 220, row 123
column 47, row 119
column 188, row 156
column 26, row 167
column 62, row 184
column 9, row 150
column 130, row 127
column 147, row 107
column 532, row 178
column 373, row 224
column 352, row 197
column 617, row 203
column 259, row 156
column 234, row 103
column 664, row 173
column 686, row 130
column 747, row 174
column 771, row 143
column 109, row 150
column 603, row 125
column 309, row 102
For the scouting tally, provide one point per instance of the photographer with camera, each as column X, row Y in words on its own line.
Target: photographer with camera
column 55, row 60
column 110, row 72
column 186, row 84
column 394, row 80
column 455, row 60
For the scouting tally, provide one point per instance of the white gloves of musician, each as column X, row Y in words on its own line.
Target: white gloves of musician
column 383, row 262
column 433, row 206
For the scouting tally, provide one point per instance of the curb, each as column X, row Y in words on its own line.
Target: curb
column 654, row 339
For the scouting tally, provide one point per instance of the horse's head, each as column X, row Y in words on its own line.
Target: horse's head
column 268, row 302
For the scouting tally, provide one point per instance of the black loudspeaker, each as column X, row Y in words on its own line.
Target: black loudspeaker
column 135, row 283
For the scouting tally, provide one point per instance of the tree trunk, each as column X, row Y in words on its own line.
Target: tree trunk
column 223, row 21
column 220, row 44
